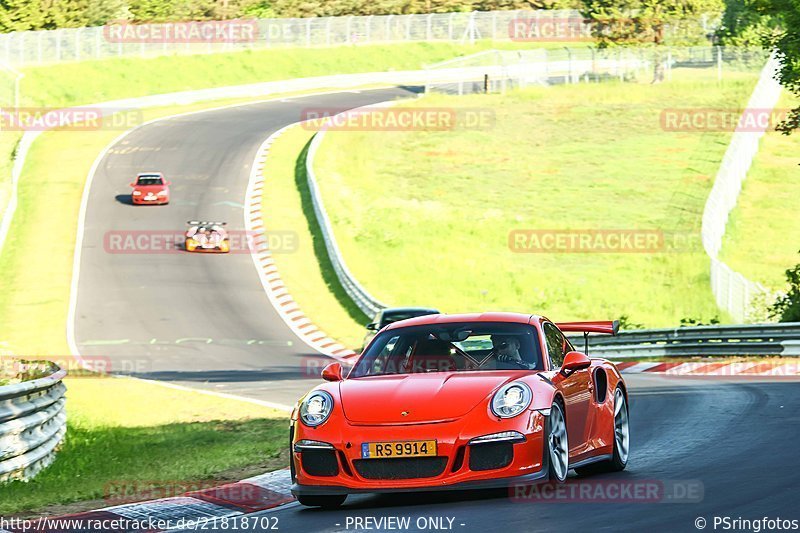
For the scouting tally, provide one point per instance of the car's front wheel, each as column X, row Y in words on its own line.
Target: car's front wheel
column 326, row 502
column 557, row 444
column 622, row 439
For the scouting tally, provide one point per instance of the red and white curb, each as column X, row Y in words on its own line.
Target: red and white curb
column 193, row 510
column 717, row 368
column 277, row 292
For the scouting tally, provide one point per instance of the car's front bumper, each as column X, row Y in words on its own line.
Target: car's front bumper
column 482, row 484
column 159, row 200
column 462, row 468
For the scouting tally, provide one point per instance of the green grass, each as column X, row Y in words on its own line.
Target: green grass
column 423, row 218
column 307, row 271
column 763, row 235
column 198, row 438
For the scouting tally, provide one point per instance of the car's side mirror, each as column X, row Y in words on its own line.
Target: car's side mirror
column 167, row 183
column 575, row 361
column 372, row 326
column 132, row 184
column 332, row 372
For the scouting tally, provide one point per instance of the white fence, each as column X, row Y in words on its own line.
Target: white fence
column 734, row 293
column 76, row 44
column 33, row 422
column 504, row 69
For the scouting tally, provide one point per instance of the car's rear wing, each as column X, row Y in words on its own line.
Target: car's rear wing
column 608, row 327
column 205, row 223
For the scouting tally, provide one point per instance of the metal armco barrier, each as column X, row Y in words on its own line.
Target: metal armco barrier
column 756, row 339
column 364, row 300
column 33, row 422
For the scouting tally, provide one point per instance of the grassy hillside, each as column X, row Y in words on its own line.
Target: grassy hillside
column 424, row 217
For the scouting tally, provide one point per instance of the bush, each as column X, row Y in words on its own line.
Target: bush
column 787, row 307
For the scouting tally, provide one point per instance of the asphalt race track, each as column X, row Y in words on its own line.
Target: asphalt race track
column 694, row 437
column 204, row 321
column 201, row 320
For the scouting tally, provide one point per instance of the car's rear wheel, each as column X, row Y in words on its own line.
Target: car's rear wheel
column 622, row 438
column 326, row 502
column 557, row 444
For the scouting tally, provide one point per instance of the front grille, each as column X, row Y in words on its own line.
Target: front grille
column 491, row 455
column 320, row 462
column 401, row 468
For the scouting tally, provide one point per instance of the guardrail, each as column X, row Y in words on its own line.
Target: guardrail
column 364, row 300
column 753, row 339
column 33, row 422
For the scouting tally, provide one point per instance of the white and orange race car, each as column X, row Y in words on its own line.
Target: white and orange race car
column 205, row 236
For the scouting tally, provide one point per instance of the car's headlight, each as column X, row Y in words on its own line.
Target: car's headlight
column 511, row 399
column 162, row 193
column 137, row 193
column 316, row 408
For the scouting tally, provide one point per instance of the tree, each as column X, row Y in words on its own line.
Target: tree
column 744, row 25
column 21, row 15
column 646, row 22
column 786, row 41
column 787, row 307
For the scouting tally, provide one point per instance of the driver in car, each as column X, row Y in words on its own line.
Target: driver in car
column 506, row 350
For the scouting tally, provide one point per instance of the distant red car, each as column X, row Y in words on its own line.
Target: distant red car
column 471, row 401
column 150, row 188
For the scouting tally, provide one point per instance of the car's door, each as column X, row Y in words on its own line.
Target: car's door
column 576, row 388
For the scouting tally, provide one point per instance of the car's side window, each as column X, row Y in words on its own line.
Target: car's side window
column 556, row 344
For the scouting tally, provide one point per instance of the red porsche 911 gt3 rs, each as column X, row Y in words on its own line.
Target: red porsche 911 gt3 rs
column 470, row 401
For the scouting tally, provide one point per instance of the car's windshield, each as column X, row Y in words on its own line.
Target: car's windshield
column 455, row 347
column 149, row 180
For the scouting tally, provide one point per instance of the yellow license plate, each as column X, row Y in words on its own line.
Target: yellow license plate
column 409, row 448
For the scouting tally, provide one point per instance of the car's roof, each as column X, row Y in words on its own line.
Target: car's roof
column 145, row 174
column 410, row 310
column 424, row 320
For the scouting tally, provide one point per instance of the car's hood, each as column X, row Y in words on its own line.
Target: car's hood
column 430, row 397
